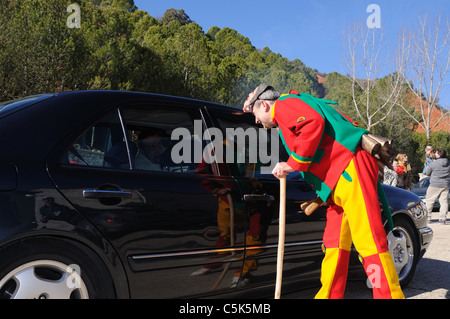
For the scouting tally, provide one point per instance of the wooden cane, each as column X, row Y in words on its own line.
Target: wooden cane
column 281, row 236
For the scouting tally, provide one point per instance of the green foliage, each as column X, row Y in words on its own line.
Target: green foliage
column 119, row 47
column 38, row 52
column 122, row 48
column 397, row 126
column 127, row 5
column 175, row 15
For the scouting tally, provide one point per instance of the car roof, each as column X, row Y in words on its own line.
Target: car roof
column 144, row 95
column 35, row 129
column 9, row 107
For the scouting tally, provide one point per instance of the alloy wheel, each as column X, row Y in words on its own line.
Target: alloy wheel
column 402, row 251
column 43, row 279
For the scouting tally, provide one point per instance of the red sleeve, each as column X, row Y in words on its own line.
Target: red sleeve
column 302, row 128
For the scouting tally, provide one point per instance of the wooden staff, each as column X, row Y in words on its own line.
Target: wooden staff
column 281, row 236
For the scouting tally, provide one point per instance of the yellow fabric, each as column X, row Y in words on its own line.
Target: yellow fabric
column 391, row 275
column 328, row 271
column 349, row 196
column 355, row 226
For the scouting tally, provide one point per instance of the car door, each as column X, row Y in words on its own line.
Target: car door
column 260, row 192
column 166, row 214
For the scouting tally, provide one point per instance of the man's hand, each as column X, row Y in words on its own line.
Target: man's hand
column 247, row 102
column 282, row 169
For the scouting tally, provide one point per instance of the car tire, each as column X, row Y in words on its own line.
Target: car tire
column 52, row 268
column 404, row 248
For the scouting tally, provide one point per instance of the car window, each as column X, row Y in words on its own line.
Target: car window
column 252, row 150
column 166, row 139
column 100, row 146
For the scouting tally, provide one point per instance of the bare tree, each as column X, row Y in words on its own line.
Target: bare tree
column 366, row 58
column 427, row 68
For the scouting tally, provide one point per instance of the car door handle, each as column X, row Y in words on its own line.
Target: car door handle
column 258, row 197
column 97, row 193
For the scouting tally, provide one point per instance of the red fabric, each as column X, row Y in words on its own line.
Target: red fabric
column 400, row 170
column 303, row 131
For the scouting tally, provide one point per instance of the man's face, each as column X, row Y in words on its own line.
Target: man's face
column 154, row 147
column 263, row 114
column 261, row 110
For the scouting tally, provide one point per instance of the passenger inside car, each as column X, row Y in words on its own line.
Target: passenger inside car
column 151, row 150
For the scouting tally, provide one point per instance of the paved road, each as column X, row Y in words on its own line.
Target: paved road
column 432, row 277
column 432, row 280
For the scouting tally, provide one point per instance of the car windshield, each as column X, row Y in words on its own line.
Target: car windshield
column 9, row 107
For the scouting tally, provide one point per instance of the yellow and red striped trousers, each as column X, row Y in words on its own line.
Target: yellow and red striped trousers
column 354, row 216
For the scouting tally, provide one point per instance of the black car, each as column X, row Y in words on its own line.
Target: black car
column 88, row 211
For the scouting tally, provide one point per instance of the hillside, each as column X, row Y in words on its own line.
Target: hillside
column 119, row 47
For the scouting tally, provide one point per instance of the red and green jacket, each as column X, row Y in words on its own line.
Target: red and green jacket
column 320, row 140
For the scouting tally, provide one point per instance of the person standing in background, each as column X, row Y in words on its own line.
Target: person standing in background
column 404, row 180
column 429, row 157
column 390, row 177
column 439, row 170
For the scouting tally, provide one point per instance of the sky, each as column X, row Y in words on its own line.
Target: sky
column 309, row 30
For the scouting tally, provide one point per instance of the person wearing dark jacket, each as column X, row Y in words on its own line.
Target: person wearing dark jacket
column 439, row 170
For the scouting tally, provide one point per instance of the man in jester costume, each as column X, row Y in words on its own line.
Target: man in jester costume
column 324, row 146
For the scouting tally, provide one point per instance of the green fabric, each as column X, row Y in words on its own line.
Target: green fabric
column 347, row 176
column 322, row 190
column 336, row 125
column 385, row 204
column 344, row 132
column 301, row 158
column 284, row 142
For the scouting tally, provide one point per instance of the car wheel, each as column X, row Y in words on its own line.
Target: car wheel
column 52, row 269
column 404, row 248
